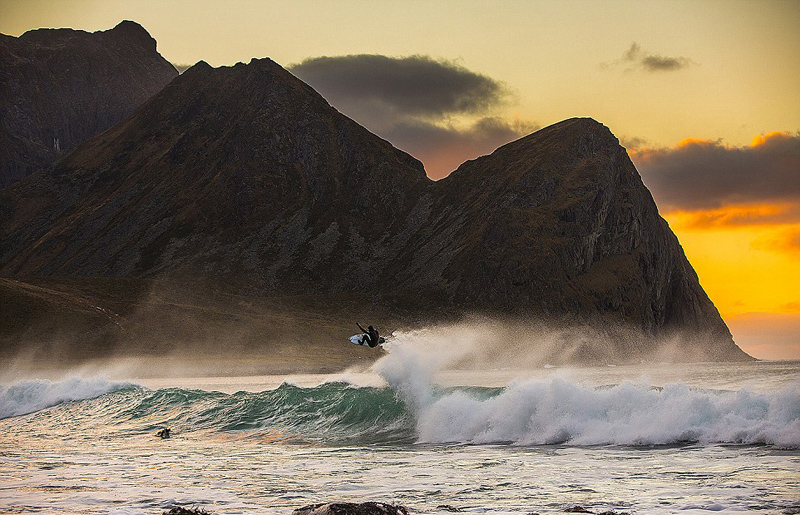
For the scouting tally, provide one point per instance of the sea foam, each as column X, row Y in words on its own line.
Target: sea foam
column 563, row 411
column 37, row 394
column 558, row 411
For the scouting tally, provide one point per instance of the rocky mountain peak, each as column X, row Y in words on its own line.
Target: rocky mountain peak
column 133, row 34
column 246, row 176
column 59, row 87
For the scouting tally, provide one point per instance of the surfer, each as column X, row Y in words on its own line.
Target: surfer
column 163, row 434
column 371, row 334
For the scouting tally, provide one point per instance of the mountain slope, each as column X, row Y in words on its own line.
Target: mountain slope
column 59, row 87
column 245, row 177
column 559, row 225
column 228, row 172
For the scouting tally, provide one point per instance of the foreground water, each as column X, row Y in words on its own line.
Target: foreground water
column 659, row 439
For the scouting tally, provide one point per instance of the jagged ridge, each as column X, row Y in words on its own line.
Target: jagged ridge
column 246, row 175
column 59, row 87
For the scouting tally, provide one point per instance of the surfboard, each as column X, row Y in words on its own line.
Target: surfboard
column 361, row 339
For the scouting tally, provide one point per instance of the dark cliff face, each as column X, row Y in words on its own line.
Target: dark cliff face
column 559, row 225
column 59, row 87
column 246, row 176
column 241, row 173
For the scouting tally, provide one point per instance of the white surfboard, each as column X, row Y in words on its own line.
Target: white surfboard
column 361, row 339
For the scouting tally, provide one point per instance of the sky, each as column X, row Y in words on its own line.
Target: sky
column 703, row 94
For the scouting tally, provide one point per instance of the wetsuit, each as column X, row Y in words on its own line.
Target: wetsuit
column 373, row 338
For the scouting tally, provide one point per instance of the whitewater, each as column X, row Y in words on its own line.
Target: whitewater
column 722, row 438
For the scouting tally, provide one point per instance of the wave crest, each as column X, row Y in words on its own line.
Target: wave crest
column 562, row 412
column 37, row 394
column 558, row 411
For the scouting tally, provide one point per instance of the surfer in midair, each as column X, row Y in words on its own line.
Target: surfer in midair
column 371, row 334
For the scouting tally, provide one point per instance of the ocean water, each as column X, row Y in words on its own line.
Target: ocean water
column 653, row 439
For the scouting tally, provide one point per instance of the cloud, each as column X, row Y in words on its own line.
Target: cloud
column 489, row 130
column 634, row 142
column 435, row 109
column 708, row 175
column 417, row 85
column 788, row 241
column 444, row 147
column 739, row 216
column 641, row 59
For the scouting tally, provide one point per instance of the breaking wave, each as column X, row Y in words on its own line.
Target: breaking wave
column 560, row 411
column 555, row 411
column 411, row 408
column 33, row 395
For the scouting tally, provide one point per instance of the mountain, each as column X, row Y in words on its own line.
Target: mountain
column 59, row 87
column 560, row 221
column 229, row 172
column 246, row 178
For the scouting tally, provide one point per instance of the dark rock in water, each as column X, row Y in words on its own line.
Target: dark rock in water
column 180, row 510
column 244, row 175
column 59, row 87
column 349, row 508
column 580, row 509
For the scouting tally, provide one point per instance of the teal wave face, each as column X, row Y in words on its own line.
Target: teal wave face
column 550, row 412
column 333, row 412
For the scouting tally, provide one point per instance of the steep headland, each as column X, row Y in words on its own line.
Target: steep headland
column 59, row 87
column 245, row 178
column 560, row 224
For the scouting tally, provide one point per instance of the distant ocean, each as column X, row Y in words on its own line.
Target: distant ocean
column 656, row 439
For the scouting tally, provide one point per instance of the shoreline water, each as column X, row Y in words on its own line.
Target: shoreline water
column 411, row 432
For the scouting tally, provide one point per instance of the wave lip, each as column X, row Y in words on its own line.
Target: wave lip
column 34, row 395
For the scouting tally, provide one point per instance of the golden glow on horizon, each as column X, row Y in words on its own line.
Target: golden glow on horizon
column 747, row 256
column 742, row 268
column 735, row 216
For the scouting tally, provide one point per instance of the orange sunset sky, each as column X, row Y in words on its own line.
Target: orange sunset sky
column 703, row 94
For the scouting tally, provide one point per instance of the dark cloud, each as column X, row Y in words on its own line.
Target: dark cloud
column 429, row 137
column 443, row 147
column 416, row 85
column 437, row 110
column 660, row 63
column 699, row 174
column 638, row 58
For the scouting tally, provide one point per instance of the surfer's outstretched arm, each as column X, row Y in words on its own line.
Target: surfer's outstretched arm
column 362, row 329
